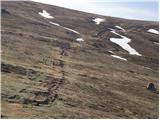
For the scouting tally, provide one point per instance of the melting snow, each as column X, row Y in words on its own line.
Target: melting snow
column 45, row 14
column 156, row 43
column 64, row 27
column 79, row 39
column 120, row 28
column 55, row 23
column 153, row 31
column 71, row 30
column 98, row 20
column 115, row 56
column 111, row 52
column 123, row 42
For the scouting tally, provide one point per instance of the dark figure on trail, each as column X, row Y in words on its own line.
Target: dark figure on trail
column 151, row 87
column 63, row 52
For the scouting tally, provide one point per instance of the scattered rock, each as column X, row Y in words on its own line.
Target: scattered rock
column 35, row 100
column 14, row 97
column 41, row 93
column 22, row 91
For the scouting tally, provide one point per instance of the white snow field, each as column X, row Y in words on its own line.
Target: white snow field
column 119, row 27
column 153, row 31
column 123, row 42
column 79, row 39
column 98, row 20
column 45, row 14
column 115, row 56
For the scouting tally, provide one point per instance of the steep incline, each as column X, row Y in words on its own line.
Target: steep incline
column 61, row 63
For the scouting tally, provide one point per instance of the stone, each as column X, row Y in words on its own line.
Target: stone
column 151, row 87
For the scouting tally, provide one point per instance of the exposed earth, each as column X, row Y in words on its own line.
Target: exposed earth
column 62, row 63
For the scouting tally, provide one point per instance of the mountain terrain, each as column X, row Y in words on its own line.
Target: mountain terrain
column 62, row 63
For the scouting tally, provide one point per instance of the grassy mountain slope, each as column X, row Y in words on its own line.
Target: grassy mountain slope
column 46, row 73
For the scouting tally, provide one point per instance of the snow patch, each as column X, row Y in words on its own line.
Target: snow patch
column 123, row 42
column 71, row 30
column 111, row 52
column 98, row 20
column 115, row 56
column 79, row 39
column 64, row 27
column 120, row 28
column 55, row 23
column 156, row 43
column 153, row 31
column 45, row 14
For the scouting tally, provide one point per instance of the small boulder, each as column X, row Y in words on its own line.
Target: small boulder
column 4, row 11
column 151, row 87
